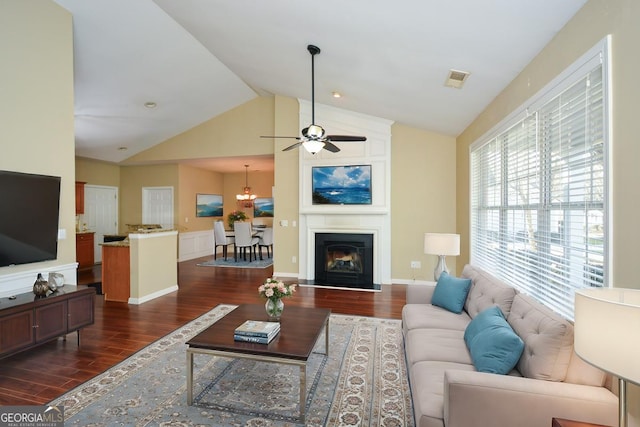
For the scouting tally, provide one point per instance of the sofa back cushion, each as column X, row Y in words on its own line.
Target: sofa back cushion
column 580, row 372
column 547, row 336
column 486, row 291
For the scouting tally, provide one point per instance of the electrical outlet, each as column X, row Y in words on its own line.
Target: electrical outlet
column 415, row 264
column 294, row 259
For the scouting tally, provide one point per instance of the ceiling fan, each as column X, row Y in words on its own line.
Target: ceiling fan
column 313, row 137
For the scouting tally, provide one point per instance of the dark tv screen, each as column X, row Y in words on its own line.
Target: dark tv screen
column 29, row 214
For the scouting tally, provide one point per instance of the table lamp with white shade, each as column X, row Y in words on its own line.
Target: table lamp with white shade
column 441, row 244
column 607, row 324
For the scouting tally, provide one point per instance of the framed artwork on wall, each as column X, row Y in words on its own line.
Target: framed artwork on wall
column 341, row 185
column 263, row 207
column 208, row 205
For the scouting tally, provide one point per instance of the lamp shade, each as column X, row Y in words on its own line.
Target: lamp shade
column 441, row 244
column 607, row 321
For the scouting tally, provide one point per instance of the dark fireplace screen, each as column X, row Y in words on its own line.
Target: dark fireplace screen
column 344, row 259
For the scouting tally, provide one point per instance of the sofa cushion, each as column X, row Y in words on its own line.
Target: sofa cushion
column 486, row 291
column 418, row 316
column 427, row 391
column 446, row 345
column 451, row 292
column 548, row 339
column 493, row 345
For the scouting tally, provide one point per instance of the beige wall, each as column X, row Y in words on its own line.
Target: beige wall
column 95, row 172
column 233, row 133
column 592, row 23
column 423, row 197
column 36, row 106
column 154, row 269
column 193, row 181
column 133, row 179
column 286, row 177
column 187, row 181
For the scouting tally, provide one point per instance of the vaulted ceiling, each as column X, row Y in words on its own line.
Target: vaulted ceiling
column 196, row 59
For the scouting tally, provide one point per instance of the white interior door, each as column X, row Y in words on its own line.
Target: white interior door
column 100, row 214
column 157, row 206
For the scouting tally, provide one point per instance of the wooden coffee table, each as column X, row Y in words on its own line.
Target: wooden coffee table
column 299, row 330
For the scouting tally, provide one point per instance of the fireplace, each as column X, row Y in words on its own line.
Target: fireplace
column 344, row 260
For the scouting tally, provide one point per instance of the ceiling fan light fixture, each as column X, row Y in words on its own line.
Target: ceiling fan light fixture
column 313, row 146
column 315, row 132
column 313, row 137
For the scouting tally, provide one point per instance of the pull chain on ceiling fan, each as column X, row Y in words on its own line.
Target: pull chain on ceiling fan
column 313, row 137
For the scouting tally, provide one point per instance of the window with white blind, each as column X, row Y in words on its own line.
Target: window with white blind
column 539, row 189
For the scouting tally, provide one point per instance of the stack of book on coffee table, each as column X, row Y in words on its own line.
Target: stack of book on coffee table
column 256, row 331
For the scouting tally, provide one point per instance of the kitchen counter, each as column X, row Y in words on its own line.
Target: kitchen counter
column 126, row 241
column 141, row 267
column 119, row 243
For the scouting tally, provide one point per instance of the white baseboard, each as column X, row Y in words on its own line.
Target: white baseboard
column 137, row 301
column 278, row 274
column 195, row 244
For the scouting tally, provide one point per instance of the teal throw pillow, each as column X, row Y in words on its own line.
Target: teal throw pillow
column 493, row 345
column 451, row 292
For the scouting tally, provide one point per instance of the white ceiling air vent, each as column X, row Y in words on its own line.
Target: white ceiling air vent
column 456, row 78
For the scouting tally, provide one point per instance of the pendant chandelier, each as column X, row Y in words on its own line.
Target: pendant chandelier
column 246, row 198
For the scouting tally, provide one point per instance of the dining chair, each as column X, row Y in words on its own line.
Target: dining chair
column 220, row 238
column 266, row 241
column 244, row 240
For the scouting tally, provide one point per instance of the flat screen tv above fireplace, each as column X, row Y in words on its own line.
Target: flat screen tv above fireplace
column 341, row 185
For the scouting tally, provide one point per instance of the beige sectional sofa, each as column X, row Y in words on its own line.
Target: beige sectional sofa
column 549, row 379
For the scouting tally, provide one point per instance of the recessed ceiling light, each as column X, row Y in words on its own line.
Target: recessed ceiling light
column 336, row 94
column 150, row 104
column 456, row 78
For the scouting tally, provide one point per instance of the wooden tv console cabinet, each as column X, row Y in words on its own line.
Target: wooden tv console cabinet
column 27, row 321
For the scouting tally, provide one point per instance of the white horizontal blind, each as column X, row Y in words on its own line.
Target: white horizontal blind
column 538, row 194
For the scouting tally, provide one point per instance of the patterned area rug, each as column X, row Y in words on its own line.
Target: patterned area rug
column 362, row 382
column 220, row 262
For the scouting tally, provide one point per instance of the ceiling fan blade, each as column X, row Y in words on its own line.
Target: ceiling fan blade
column 350, row 138
column 330, row 147
column 291, row 147
column 291, row 137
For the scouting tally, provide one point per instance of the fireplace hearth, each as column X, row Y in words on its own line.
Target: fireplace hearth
column 344, row 260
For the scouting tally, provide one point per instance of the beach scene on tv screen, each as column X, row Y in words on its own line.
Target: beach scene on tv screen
column 341, row 185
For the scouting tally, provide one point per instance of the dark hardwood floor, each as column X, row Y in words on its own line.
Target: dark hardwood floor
column 37, row 376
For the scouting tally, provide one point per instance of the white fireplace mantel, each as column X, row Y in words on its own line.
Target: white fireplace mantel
column 371, row 219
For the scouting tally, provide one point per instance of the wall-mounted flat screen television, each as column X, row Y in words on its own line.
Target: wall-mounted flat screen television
column 341, row 185
column 29, row 214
